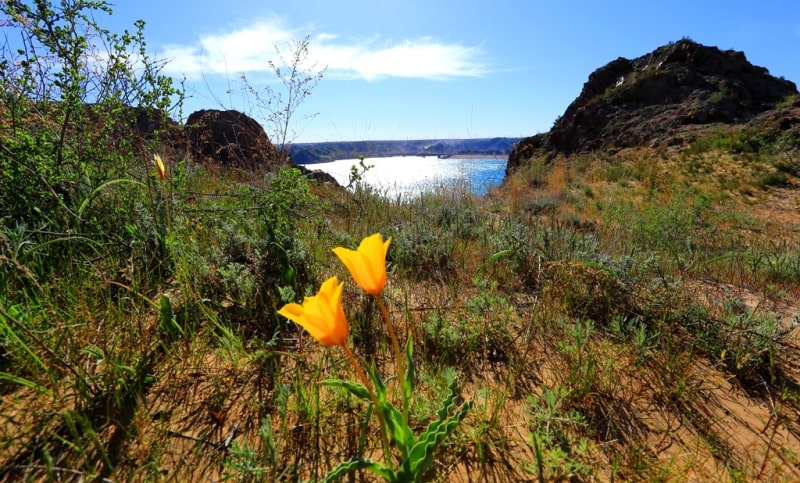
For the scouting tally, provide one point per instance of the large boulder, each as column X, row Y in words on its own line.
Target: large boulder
column 231, row 138
column 648, row 100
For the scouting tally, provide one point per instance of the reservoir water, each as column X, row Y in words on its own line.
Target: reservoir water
column 408, row 176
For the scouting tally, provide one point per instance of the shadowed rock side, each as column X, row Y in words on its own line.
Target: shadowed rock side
column 231, row 138
column 648, row 100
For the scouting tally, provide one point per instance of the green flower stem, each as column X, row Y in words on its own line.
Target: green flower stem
column 387, row 455
column 392, row 335
column 401, row 372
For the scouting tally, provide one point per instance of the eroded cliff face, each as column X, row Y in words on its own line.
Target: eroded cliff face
column 647, row 100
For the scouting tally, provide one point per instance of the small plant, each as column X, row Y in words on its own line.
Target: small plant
column 772, row 179
column 355, row 180
column 297, row 79
column 581, row 365
column 481, row 332
column 556, row 448
column 749, row 343
column 244, row 462
column 323, row 317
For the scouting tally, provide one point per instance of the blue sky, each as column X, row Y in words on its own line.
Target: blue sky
column 423, row 69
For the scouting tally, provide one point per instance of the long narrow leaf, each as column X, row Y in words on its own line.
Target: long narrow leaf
column 4, row 318
column 4, row 376
column 362, row 437
column 492, row 259
column 421, row 455
column 100, row 188
column 353, row 388
column 450, row 401
column 411, row 375
column 399, row 431
column 380, row 387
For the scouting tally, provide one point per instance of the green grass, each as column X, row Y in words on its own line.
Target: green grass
column 610, row 320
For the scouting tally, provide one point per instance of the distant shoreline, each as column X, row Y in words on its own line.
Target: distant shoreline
column 489, row 148
column 479, row 156
column 494, row 157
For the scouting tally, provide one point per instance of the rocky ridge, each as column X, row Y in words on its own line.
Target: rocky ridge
column 655, row 99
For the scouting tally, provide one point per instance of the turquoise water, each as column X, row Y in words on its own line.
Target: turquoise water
column 404, row 176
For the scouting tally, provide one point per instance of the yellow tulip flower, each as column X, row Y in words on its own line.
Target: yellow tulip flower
column 321, row 315
column 367, row 265
column 160, row 171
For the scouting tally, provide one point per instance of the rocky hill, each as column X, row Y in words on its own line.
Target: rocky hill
column 653, row 99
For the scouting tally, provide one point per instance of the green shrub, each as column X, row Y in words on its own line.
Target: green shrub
column 243, row 251
column 423, row 250
column 72, row 165
column 483, row 331
column 772, row 178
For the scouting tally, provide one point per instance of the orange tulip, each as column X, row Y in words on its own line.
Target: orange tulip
column 321, row 315
column 160, row 171
column 367, row 265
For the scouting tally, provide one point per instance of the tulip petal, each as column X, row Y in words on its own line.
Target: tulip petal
column 322, row 315
column 160, row 171
column 367, row 264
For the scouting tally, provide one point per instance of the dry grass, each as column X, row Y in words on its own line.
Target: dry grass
column 607, row 315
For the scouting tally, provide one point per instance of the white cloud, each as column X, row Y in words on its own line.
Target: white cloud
column 249, row 49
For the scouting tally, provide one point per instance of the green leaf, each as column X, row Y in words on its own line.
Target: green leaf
column 537, row 450
column 353, row 388
column 100, row 188
column 380, row 387
column 600, row 266
column 5, row 376
column 492, row 259
column 421, row 455
column 360, row 464
column 166, row 314
column 449, row 401
column 398, row 429
column 362, row 437
column 411, row 373
column 5, row 318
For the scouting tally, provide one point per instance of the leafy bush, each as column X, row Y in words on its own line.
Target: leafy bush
column 588, row 292
column 772, row 178
column 736, row 142
column 71, row 150
column 422, row 250
column 515, row 254
column 250, row 251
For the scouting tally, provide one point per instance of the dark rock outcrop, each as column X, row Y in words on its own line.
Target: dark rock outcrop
column 231, row 138
column 647, row 100
column 151, row 123
column 317, row 175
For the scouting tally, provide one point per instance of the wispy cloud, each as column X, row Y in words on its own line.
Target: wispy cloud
column 250, row 48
